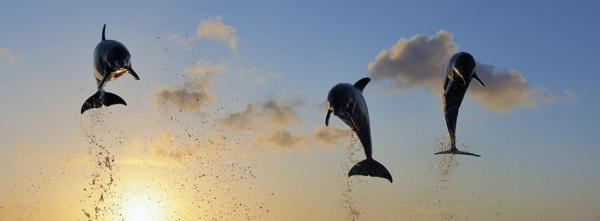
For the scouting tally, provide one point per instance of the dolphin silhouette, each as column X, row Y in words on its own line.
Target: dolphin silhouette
column 460, row 71
column 347, row 102
column 111, row 60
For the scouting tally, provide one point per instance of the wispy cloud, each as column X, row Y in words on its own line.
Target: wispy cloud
column 273, row 113
column 282, row 138
column 420, row 61
column 322, row 136
column 330, row 136
column 212, row 29
column 274, row 124
column 8, row 55
column 195, row 92
column 215, row 29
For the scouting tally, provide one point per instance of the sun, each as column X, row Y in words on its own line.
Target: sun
column 140, row 206
column 138, row 213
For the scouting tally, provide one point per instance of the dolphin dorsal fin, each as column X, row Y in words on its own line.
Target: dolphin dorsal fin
column 362, row 83
column 103, row 29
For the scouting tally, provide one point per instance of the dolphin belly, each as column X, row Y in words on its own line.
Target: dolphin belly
column 452, row 100
column 451, row 116
column 364, row 122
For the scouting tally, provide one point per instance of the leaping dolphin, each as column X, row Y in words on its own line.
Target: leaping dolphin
column 460, row 71
column 347, row 102
column 111, row 60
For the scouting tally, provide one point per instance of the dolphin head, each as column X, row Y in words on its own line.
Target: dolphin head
column 118, row 59
column 341, row 100
column 463, row 66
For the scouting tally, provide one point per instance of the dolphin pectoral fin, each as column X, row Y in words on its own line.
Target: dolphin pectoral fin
column 370, row 167
column 477, row 78
column 456, row 151
column 132, row 72
column 362, row 83
column 327, row 117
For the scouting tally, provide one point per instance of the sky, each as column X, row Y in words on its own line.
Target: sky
column 227, row 121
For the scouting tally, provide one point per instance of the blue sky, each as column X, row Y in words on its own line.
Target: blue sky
column 548, row 151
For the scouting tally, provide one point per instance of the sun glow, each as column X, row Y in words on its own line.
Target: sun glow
column 138, row 213
column 144, row 206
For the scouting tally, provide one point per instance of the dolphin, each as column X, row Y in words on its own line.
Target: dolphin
column 347, row 102
column 111, row 60
column 460, row 71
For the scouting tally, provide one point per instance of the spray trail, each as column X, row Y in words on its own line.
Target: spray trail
column 348, row 201
column 102, row 140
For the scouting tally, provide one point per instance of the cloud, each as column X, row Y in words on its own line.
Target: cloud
column 195, row 92
column 274, row 124
column 330, row 136
column 190, row 96
column 272, row 113
column 214, row 29
column 322, row 136
column 505, row 90
column 6, row 53
column 420, row 61
column 280, row 139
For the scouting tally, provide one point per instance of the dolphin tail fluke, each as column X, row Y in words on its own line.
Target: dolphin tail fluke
column 93, row 101
column 456, row 151
column 101, row 98
column 370, row 167
column 110, row 99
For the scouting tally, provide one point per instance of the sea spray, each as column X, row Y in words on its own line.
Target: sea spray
column 102, row 140
column 219, row 175
column 348, row 201
column 444, row 163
